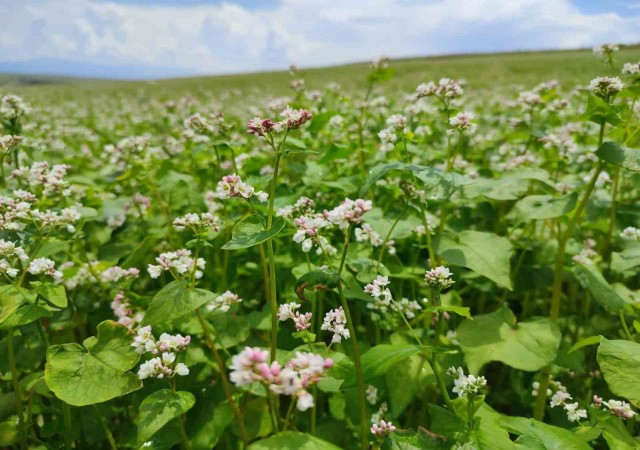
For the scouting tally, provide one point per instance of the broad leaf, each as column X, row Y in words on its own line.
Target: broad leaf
column 528, row 345
column 53, row 293
column 542, row 207
column 620, row 364
column 379, row 359
column 18, row 306
column 602, row 291
column 625, row 260
column 539, row 435
column 485, row 253
column 159, row 409
column 174, row 301
column 96, row 372
column 439, row 185
column 250, row 232
column 318, row 279
column 629, row 158
column 292, row 440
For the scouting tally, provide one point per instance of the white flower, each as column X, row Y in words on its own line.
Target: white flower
column 573, row 413
column 388, row 135
column 224, row 301
column 606, row 86
column 559, row 398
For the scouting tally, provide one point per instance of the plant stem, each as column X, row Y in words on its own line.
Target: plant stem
column 558, row 272
column 223, row 375
column 16, row 390
column 356, row 349
column 272, row 264
column 624, row 326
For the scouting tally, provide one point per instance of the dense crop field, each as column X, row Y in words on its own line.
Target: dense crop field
column 434, row 253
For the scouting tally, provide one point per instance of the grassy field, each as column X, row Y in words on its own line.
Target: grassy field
column 505, row 71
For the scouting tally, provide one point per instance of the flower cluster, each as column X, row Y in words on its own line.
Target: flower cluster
column 461, row 123
column 606, row 87
column 349, row 212
column 123, row 310
column 335, row 321
column 128, row 151
column 616, row 407
column 223, row 302
column 587, row 256
column 42, row 177
column 367, row 233
column 44, row 266
column 13, row 107
column 303, row 206
column 630, row 234
column 382, row 429
column 380, row 292
column 465, row 385
column 211, row 126
column 308, row 229
column 288, row 311
column 179, row 261
column 560, row 398
column 144, row 342
column 233, row 186
column 196, row 222
column 10, row 255
column 631, row 68
column 305, row 369
column 445, row 89
column 292, row 120
column 438, row 278
column 9, row 142
column 163, row 366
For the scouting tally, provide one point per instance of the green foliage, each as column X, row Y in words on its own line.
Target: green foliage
column 497, row 336
column 620, row 364
column 159, row 409
column 96, row 371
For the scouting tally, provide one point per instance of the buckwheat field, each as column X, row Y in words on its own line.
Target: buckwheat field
column 417, row 254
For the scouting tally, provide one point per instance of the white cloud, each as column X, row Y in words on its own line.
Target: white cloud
column 225, row 37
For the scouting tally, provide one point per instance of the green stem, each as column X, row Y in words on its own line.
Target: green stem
column 470, row 421
column 272, row 264
column 624, row 326
column 16, row 390
column 223, row 375
column 558, row 272
column 356, row 349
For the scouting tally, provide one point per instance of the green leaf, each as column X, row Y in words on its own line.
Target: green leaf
column 174, row 301
column 629, row 158
column 616, row 443
column 94, row 373
column 625, row 260
column 619, row 361
column 292, row 440
column 485, row 253
column 528, row 345
column 159, row 409
column 53, row 293
column 440, row 185
column 250, row 232
column 336, row 151
column 319, row 121
column 599, row 111
column 602, row 291
column 18, row 307
column 543, row 436
column 463, row 311
column 412, row 440
column 542, row 207
column 318, row 279
column 379, row 359
column 591, row 340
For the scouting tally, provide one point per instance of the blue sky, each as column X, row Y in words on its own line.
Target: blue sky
column 163, row 38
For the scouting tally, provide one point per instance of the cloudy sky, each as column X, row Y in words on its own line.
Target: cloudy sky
column 163, row 38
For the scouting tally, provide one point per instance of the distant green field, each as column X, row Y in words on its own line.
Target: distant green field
column 493, row 71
